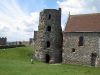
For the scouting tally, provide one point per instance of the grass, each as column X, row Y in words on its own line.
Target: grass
column 16, row 61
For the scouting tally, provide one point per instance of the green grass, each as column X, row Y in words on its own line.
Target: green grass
column 16, row 61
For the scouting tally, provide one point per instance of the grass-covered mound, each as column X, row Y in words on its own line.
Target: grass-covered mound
column 16, row 61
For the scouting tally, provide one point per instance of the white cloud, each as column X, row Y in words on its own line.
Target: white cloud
column 17, row 24
column 75, row 7
column 16, row 21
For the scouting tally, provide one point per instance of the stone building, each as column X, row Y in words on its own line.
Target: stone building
column 79, row 43
column 48, row 40
column 3, row 40
column 81, row 39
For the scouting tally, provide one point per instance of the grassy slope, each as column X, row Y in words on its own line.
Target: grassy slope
column 16, row 61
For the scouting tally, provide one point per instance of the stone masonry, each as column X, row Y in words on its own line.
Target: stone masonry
column 81, row 54
column 77, row 44
column 48, row 43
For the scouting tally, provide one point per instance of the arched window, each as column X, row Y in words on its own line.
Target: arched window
column 49, row 17
column 48, row 44
column 49, row 28
column 81, row 41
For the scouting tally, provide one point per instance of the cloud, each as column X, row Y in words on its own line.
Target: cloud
column 15, row 23
column 19, row 23
column 77, row 7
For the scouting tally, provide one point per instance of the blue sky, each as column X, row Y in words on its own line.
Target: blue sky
column 19, row 18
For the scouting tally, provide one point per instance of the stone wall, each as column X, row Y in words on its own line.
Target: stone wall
column 49, row 32
column 3, row 40
column 81, row 54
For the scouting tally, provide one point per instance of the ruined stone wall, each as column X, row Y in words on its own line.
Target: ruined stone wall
column 3, row 40
column 49, row 31
column 81, row 54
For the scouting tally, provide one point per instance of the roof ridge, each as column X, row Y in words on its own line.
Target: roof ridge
column 84, row 14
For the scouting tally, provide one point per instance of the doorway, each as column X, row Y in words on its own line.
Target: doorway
column 93, row 59
column 47, row 58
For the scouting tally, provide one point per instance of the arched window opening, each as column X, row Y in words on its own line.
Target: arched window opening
column 49, row 28
column 48, row 44
column 81, row 41
column 49, row 17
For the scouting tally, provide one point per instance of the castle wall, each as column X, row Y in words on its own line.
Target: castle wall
column 3, row 41
column 50, row 33
column 81, row 54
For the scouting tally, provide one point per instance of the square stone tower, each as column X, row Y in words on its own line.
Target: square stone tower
column 49, row 37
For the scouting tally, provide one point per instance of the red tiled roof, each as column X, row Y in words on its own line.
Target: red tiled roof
column 83, row 23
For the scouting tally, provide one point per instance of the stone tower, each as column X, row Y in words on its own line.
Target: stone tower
column 49, row 38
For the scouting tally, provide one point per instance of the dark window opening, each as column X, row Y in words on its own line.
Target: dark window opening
column 47, row 58
column 48, row 44
column 49, row 17
column 49, row 28
column 73, row 49
column 81, row 40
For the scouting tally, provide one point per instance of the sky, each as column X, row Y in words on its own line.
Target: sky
column 20, row 18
